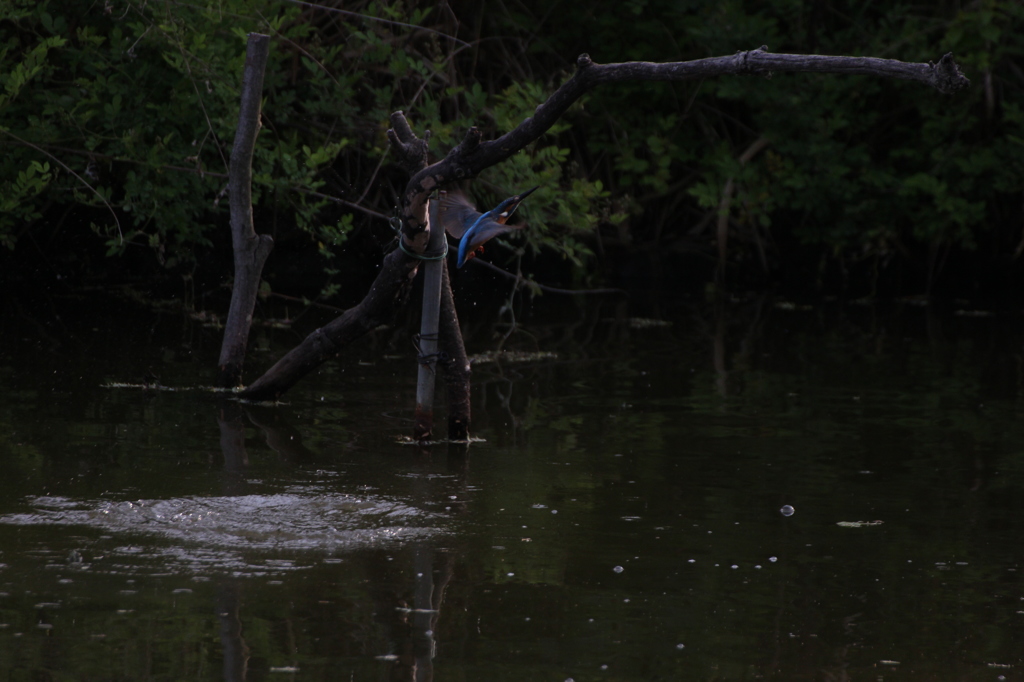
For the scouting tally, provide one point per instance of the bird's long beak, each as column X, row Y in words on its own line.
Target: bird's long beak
column 527, row 193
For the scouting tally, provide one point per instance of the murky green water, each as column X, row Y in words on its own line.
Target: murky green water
column 621, row 522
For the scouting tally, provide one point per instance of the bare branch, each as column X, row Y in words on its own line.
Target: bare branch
column 412, row 156
column 472, row 156
column 467, row 160
column 528, row 283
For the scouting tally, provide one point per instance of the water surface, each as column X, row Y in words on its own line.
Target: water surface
column 621, row 520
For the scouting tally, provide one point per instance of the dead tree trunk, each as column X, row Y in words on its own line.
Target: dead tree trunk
column 455, row 363
column 472, row 156
column 250, row 249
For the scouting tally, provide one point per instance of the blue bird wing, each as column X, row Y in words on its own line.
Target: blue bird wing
column 457, row 213
column 482, row 231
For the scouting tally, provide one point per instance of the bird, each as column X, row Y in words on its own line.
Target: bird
column 462, row 221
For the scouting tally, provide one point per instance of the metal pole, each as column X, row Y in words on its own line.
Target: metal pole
column 428, row 329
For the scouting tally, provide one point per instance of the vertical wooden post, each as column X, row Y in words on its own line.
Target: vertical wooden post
column 250, row 249
column 456, row 364
column 432, row 269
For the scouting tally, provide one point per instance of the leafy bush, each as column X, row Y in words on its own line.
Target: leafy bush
column 132, row 106
column 862, row 169
column 129, row 107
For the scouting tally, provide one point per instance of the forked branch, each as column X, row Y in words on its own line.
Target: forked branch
column 473, row 155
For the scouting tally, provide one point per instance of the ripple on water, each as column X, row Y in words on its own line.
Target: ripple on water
column 223, row 533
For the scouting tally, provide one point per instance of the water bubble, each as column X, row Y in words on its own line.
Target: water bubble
column 680, row 646
column 773, row 559
column 787, row 510
column 618, row 569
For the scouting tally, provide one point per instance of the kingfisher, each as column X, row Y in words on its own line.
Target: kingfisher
column 462, row 221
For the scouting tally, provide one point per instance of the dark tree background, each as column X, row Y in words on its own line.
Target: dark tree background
column 117, row 121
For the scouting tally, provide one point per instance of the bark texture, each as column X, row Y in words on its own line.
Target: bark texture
column 250, row 249
column 389, row 291
column 455, row 364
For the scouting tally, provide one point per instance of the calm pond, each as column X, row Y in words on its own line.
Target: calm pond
column 686, row 490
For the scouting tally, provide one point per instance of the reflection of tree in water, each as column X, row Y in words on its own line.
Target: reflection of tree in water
column 236, row 651
column 409, row 615
column 730, row 368
column 407, row 611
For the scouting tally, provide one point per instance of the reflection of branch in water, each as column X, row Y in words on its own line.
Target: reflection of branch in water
column 415, row 663
column 424, row 616
column 236, row 651
column 281, row 437
column 232, row 447
column 729, row 381
column 718, row 354
column 506, row 403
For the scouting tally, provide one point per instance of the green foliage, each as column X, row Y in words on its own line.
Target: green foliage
column 856, row 166
column 140, row 100
column 16, row 197
column 563, row 214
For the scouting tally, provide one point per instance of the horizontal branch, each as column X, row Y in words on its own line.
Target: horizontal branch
column 472, row 156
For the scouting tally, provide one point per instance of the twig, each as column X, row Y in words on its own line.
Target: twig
column 196, row 171
column 68, row 169
column 367, row 211
column 305, row 301
column 325, row 8
column 544, row 287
